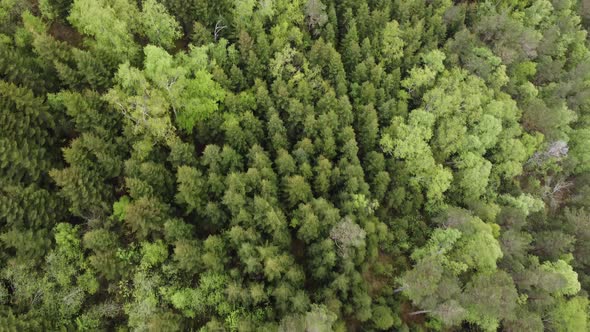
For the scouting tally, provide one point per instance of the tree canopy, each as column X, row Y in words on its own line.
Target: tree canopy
column 303, row 165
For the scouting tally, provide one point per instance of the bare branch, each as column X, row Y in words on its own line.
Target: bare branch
column 218, row 29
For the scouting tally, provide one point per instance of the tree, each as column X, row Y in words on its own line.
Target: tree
column 423, row 280
column 570, row 315
column 26, row 153
column 103, row 245
column 113, row 39
column 347, row 235
column 67, row 277
column 351, row 50
column 243, row 13
column 382, row 317
column 146, row 216
column 474, row 175
column 392, row 44
column 191, row 189
column 579, row 151
column 263, row 165
column 570, row 285
column 423, row 76
column 160, row 28
column 163, row 84
column 489, row 298
column 319, row 319
column 410, row 145
column 92, row 161
column 297, row 190
column 315, row 12
column 450, row 254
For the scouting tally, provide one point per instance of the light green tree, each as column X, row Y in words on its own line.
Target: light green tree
column 110, row 23
column 570, row 315
column 392, row 47
column 160, row 28
column 167, row 87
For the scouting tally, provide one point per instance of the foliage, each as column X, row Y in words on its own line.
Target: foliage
column 306, row 165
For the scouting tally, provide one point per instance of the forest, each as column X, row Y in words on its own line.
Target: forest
column 294, row 165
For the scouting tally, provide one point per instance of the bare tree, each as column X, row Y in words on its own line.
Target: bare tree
column 217, row 30
column 315, row 12
column 557, row 149
column 556, row 190
column 346, row 235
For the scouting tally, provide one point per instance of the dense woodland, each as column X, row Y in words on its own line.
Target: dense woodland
column 294, row 165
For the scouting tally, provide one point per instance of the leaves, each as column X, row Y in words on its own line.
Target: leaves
column 282, row 165
column 165, row 88
column 160, row 27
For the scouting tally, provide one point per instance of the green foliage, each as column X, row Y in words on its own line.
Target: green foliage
column 25, row 153
column 490, row 298
column 204, row 97
column 570, row 315
column 307, row 165
column 114, row 40
column 207, row 297
column 382, row 317
column 92, row 161
column 181, row 85
column 579, row 150
column 319, row 318
column 393, row 44
column 119, row 208
column 565, row 271
column 160, row 28
column 466, row 249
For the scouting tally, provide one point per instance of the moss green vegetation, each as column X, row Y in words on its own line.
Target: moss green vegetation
column 294, row 165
